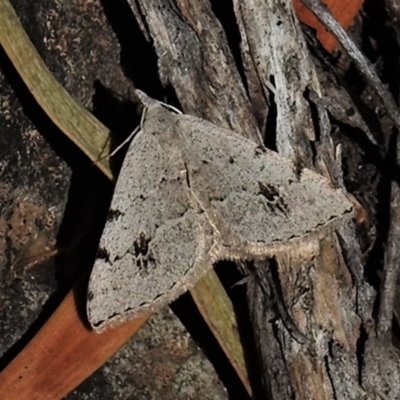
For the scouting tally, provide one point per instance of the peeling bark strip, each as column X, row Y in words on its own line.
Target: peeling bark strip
column 392, row 254
column 326, row 297
column 194, row 58
column 278, row 51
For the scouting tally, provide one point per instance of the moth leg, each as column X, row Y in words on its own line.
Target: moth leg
column 119, row 147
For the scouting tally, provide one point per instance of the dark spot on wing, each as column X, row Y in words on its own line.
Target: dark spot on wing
column 113, row 215
column 103, row 254
column 259, row 151
column 274, row 200
column 99, row 323
column 268, row 191
column 158, row 296
column 141, row 245
column 298, row 170
column 141, row 252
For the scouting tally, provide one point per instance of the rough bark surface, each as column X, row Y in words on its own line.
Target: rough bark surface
column 49, row 193
column 327, row 299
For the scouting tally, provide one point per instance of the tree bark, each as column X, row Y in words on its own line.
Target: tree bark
column 246, row 66
column 324, row 345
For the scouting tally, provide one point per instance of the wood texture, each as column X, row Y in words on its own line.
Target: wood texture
column 285, row 71
column 49, row 93
column 64, row 344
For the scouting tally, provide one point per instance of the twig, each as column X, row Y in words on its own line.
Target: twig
column 363, row 64
column 392, row 252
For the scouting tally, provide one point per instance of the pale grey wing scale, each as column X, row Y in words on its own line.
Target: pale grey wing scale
column 154, row 243
column 255, row 198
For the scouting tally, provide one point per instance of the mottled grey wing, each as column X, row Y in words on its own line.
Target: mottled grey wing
column 153, row 244
column 255, row 198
